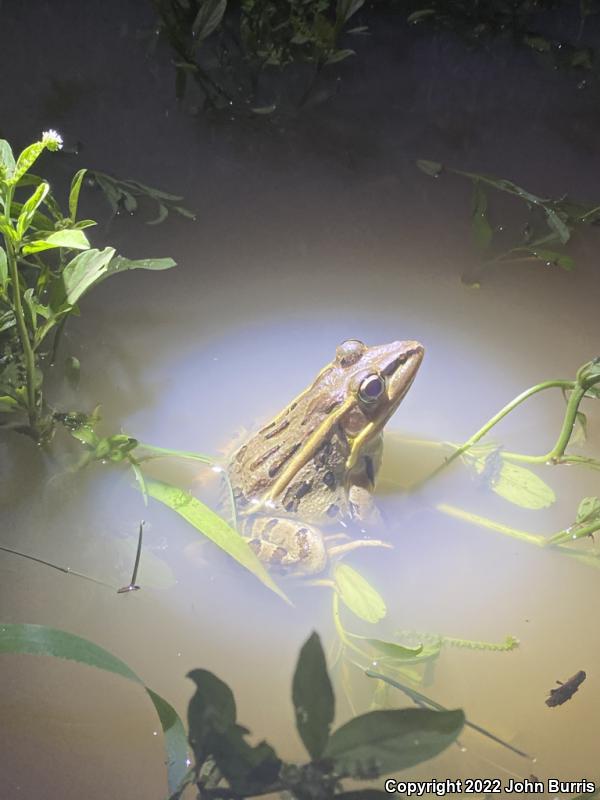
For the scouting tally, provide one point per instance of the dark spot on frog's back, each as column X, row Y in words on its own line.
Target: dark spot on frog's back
column 275, row 468
column 263, row 457
column 276, row 431
column 329, row 479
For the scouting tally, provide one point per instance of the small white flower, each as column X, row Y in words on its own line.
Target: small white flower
column 52, row 139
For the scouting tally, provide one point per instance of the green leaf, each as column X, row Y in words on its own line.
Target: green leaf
column 339, row 55
column 557, row 224
column 553, row 258
column 589, row 510
column 7, row 404
column 432, row 168
column 313, row 699
column 346, row 9
column 538, row 43
column 85, row 270
column 381, row 742
column 74, row 193
column 482, row 230
column 420, row 15
column 393, row 650
column 29, row 208
column 70, row 238
column 26, row 159
column 215, row 528
column 73, row 371
column 3, row 269
column 358, row 595
column 41, row 640
column 7, row 160
column 211, row 709
column 208, row 18
column 519, row 485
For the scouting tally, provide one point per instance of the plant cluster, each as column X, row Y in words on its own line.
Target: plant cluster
column 47, row 265
column 520, row 20
column 226, row 47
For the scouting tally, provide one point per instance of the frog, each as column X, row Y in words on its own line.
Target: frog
column 304, row 481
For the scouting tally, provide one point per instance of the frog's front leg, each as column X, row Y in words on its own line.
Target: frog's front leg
column 362, row 507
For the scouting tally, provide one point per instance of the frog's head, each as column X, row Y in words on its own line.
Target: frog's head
column 373, row 381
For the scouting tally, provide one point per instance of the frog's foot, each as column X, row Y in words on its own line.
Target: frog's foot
column 362, row 507
column 288, row 543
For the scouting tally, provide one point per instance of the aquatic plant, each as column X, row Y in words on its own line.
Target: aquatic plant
column 47, row 265
column 227, row 766
column 477, row 21
column 225, row 48
column 549, row 222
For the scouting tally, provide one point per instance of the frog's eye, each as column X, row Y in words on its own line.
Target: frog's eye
column 371, row 388
column 349, row 352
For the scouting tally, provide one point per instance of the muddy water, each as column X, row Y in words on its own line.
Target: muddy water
column 309, row 231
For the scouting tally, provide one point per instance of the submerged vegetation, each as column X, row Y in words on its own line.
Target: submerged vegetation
column 47, row 265
column 548, row 223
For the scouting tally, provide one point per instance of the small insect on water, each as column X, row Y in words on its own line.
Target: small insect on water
column 565, row 690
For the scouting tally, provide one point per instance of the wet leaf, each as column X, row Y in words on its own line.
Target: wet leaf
column 204, row 520
column 557, row 224
column 73, row 371
column 358, row 595
column 482, row 230
column 433, row 168
column 73, row 239
column 392, row 650
column 29, row 208
column 589, row 510
column 74, row 193
column 41, row 640
column 346, row 9
column 381, row 742
column 208, row 18
column 313, row 698
column 519, row 485
column 3, row 269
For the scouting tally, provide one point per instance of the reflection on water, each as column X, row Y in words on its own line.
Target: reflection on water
column 292, row 254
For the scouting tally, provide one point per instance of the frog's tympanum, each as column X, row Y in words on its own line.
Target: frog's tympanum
column 312, row 469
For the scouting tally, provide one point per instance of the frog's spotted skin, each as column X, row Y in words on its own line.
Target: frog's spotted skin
column 315, row 464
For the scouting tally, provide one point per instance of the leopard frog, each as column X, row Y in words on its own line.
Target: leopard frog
column 313, row 467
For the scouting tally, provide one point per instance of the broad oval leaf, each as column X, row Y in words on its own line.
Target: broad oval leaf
column 41, row 640
column 381, row 742
column 589, row 509
column 358, row 595
column 70, row 238
column 313, row 699
column 518, row 485
column 213, row 527
column 211, row 710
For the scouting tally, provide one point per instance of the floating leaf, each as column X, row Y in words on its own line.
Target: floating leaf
column 213, row 527
column 313, row 698
column 73, row 371
column 433, row 168
column 388, row 741
column 41, row 640
column 358, row 595
column 589, row 509
column 519, row 485
column 482, row 230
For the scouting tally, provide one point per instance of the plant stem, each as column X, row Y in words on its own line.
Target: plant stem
column 563, row 384
column 21, row 324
